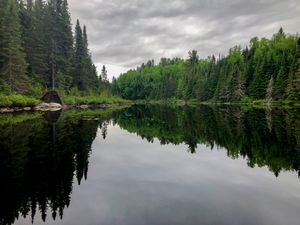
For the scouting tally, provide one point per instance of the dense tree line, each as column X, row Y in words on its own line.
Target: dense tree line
column 38, row 50
column 266, row 69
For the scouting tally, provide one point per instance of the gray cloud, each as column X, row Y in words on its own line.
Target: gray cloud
column 127, row 33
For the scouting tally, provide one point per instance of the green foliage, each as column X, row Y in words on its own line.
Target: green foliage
column 12, row 57
column 38, row 50
column 93, row 99
column 152, row 82
column 293, row 88
column 267, row 69
column 36, row 90
column 17, row 100
column 246, row 99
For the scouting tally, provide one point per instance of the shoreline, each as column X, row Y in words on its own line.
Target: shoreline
column 44, row 107
column 191, row 103
column 83, row 106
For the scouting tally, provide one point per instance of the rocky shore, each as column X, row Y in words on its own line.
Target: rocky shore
column 55, row 107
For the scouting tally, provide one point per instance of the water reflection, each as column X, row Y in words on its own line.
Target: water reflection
column 37, row 161
column 266, row 137
column 41, row 153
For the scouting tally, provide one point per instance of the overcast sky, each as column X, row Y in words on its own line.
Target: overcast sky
column 123, row 34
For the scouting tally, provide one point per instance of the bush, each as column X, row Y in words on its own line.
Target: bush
column 17, row 100
column 93, row 99
column 36, row 90
column 246, row 99
column 4, row 100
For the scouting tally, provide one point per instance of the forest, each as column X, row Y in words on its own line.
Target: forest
column 266, row 70
column 39, row 52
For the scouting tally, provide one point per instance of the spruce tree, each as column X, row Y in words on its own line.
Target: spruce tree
column 281, row 80
column 40, row 44
column 13, row 64
column 293, row 88
column 60, row 43
column 89, row 68
column 104, row 74
column 25, row 15
column 191, row 75
column 65, row 45
column 78, row 80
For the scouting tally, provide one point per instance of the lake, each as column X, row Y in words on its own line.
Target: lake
column 151, row 165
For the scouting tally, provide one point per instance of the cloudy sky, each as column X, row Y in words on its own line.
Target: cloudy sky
column 123, row 34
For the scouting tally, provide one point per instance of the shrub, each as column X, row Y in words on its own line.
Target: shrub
column 17, row 100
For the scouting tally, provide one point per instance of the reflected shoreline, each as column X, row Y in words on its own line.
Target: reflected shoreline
column 41, row 153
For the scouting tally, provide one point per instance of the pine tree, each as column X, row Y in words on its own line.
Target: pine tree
column 104, row 74
column 89, row 68
column 78, row 80
column 281, row 79
column 191, row 75
column 35, row 40
column 61, row 43
column 13, row 64
column 65, row 45
column 293, row 88
column 114, row 86
column 25, row 15
column 3, row 7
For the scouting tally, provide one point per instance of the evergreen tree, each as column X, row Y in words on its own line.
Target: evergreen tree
column 78, row 80
column 114, row 86
column 191, row 75
column 89, row 67
column 36, row 42
column 104, row 74
column 281, row 79
column 61, row 43
column 26, row 15
column 13, row 64
column 242, row 73
column 293, row 88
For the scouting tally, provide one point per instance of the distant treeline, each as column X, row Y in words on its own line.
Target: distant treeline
column 266, row 69
column 38, row 49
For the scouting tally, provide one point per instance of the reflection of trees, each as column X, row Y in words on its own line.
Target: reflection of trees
column 37, row 164
column 266, row 138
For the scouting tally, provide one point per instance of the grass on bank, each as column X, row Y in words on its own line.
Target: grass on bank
column 17, row 100
column 93, row 100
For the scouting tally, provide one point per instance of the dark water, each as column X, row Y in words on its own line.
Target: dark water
column 151, row 165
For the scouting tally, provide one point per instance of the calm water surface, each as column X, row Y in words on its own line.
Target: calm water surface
column 151, row 165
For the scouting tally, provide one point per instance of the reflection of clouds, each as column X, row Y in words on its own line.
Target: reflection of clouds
column 127, row 33
column 135, row 182
column 131, row 181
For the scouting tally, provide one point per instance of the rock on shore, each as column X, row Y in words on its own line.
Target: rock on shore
column 48, row 107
